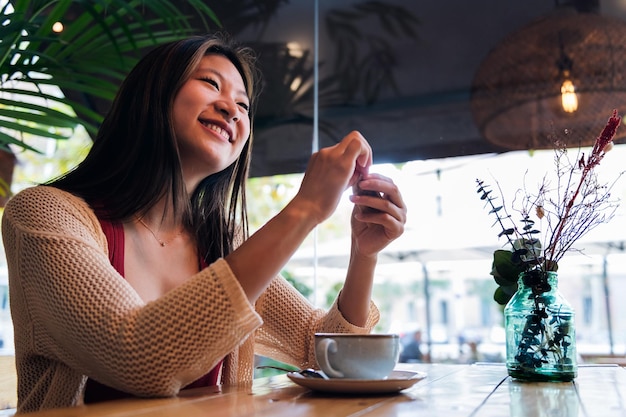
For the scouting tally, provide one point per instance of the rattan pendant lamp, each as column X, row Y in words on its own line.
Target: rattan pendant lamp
column 558, row 77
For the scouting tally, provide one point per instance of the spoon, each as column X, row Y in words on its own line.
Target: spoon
column 309, row 373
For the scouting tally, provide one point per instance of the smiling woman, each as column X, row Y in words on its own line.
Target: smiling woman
column 141, row 277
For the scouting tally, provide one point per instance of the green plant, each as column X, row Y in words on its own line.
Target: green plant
column 539, row 325
column 48, row 77
column 5, row 188
column 570, row 207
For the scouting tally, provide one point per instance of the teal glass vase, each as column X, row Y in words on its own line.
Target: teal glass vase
column 540, row 331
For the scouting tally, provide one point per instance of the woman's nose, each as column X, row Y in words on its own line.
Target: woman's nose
column 228, row 108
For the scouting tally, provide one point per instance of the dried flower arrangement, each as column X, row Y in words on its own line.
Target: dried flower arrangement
column 539, row 323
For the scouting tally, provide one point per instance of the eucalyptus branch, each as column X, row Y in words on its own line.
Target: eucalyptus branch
column 485, row 192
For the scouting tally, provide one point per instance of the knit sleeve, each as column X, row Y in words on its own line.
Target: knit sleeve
column 74, row 308
column 290, row 321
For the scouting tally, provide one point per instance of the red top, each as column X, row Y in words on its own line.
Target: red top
column 96, row 392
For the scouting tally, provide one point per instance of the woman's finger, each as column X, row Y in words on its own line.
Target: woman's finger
column 375, row 190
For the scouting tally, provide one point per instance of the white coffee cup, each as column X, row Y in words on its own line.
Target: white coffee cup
column 357, row 356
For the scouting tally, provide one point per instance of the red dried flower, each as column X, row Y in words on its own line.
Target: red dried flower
column 605, row 138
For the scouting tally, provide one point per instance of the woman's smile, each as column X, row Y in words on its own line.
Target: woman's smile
column 223, row 132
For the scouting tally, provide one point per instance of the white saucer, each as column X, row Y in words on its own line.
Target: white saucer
column 397, row 381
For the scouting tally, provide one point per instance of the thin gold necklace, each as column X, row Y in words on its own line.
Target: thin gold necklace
column 161, row 242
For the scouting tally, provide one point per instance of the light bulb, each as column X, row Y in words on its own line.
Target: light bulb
column 569, row 100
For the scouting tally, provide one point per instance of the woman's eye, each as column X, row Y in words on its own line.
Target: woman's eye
column 210, row 81
column 244, row 106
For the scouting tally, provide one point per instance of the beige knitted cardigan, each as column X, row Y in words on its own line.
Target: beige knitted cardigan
column 75, row 315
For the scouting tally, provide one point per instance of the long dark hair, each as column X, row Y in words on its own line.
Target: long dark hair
column 134, row 160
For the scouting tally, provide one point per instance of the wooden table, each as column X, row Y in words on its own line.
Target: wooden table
column 478, row 390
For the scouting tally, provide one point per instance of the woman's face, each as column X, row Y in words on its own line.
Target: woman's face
column 211, row 118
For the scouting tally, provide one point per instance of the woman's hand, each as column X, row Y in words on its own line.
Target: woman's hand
column 330, row 172
column 378, row 218
column 379, row 214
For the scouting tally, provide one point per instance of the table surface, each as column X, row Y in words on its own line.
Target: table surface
column 477, row 390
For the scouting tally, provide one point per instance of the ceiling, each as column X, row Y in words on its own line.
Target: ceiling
column 398, row 71
column 426, row 116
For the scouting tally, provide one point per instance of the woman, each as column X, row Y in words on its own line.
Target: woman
column 134, row 273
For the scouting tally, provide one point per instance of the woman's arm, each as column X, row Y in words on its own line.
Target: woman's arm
column 72, row 308
column 329, row 173
column 290, row 321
